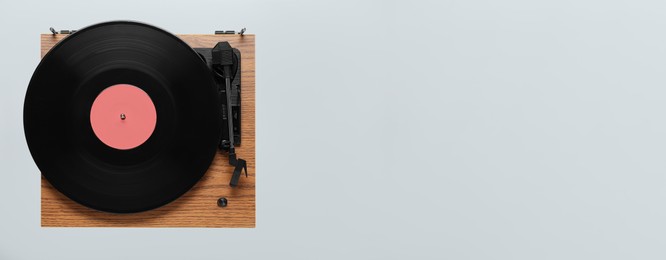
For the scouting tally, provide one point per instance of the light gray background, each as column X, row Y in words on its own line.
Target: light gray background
column 400, row 130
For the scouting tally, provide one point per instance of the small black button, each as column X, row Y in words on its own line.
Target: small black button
column 222, row 202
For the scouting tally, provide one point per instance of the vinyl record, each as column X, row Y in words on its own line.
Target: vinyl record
column 122, row 117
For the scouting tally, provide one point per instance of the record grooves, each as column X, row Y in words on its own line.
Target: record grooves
column 71, row 156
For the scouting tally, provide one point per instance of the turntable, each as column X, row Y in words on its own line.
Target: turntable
column 132, row 126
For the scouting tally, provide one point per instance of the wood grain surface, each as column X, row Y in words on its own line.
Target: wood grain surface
column 198, row 207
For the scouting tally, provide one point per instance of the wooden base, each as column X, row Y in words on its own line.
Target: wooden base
column 198, row 207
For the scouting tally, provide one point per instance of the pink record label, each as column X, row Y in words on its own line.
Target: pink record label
column 123, row 116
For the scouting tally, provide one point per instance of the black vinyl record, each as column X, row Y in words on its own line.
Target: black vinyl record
column 62, row 141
